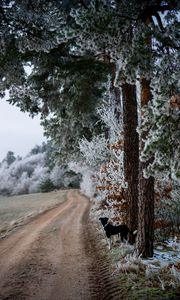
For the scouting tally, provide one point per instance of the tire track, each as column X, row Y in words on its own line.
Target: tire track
column 104, row 286
column 57, row 257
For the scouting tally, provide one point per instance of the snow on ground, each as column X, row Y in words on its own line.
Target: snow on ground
column 162, row 270
column 167, row 253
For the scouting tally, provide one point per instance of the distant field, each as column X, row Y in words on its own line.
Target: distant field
column 17, row 210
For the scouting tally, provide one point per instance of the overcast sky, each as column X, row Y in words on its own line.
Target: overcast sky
column 18, row 132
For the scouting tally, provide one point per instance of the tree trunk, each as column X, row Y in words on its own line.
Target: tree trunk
column 146, row 191
column 131, row 152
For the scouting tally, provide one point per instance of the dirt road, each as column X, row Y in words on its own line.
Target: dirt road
column 56, row 257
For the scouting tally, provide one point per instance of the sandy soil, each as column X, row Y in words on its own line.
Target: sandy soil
column 56, row 257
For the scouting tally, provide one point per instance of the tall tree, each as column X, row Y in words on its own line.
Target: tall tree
column 146, row 184
column 146, row 189
column 131, row 152
column 111, row 34
column 100, row 28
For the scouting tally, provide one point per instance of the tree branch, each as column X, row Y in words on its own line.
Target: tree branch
column 153, row 10
column 158, row 18
column 83, row 4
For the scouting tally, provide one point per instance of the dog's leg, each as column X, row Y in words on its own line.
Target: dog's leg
column 116, row 239
column 122, row 237
column 110, row 242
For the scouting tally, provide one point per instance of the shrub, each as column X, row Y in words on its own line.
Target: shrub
column 47, row 186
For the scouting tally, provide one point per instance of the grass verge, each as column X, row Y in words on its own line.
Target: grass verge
column 18, row 210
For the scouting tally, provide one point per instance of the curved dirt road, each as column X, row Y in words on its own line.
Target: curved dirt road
column 56, row 257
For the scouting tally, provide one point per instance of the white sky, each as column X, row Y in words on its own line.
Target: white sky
column 18, row 132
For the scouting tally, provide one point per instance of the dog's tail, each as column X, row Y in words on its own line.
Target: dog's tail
column 134, row 232
column 133, row 236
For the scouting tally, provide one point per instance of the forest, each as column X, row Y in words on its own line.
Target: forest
column 36, row 172
column 105, row 78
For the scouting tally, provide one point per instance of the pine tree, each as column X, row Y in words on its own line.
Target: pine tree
column 104, row 29
column 131, row 152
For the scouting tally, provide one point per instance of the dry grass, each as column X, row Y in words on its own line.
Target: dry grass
column 140, row 279
column 145, row 279
column 18, row 210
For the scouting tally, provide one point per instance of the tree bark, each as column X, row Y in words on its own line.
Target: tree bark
column 146, row 191
column 131, row 153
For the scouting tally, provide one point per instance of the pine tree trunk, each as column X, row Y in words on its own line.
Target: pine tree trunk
column 131, row 152
column 146, row 191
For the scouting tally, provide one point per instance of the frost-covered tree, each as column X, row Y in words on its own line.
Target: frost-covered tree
column 10, row 158
column 65, row 90
column 113, row 31
column 22, row 176
column 158, row 45
column 32, row 173
column 65, row 85
column 121, row 31
column 162, row 117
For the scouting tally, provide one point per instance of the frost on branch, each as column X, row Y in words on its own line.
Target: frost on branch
column 26, row 175
column 167, row 209
column 95, row 152
column 104, row 156
column 162, row 119
column 111, row 115
column 87, row 184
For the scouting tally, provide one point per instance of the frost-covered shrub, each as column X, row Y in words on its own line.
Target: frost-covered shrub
column 110, row 114
column 30, row 175
column 22, row 186
column 94, row 152
column 57, row 176
column 103, row 157
column 46, row 186
column 63, row 177
column 167, row 209
column 87, row 184
column 23, row 176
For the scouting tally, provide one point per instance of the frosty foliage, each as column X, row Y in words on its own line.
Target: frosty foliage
column 115, row 32
column 87, row 184
column 103, row 156
column 162, row 271
column 57, row 175
column 26, row 175
column 97, row 152
column 111, row 31
column 26, row 27
column 162, row 119
column 94, row 152
column 22, row 176
column 39, row 26
column 110, row 114
column 167, row 209
column 109, row 36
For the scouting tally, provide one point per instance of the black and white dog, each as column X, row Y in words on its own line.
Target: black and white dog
column 110, row 230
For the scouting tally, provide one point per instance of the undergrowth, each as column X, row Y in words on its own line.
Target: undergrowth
column 141, row 279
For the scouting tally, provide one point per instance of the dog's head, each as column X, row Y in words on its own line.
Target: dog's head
column 104, row 220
